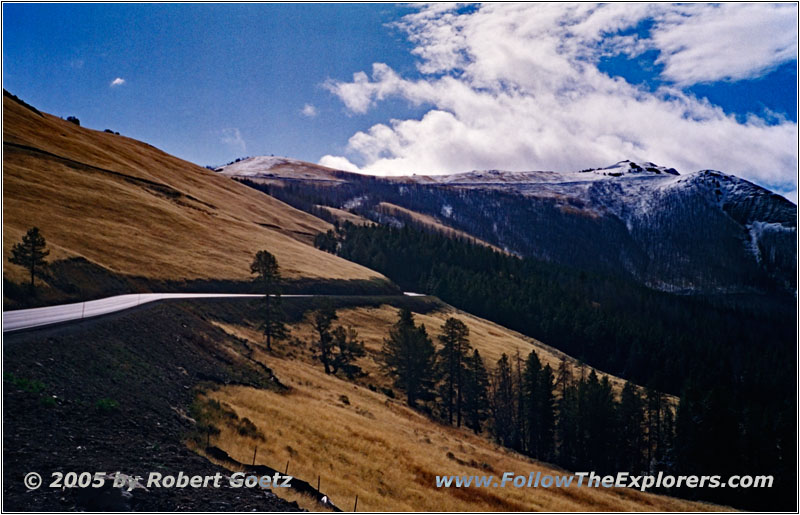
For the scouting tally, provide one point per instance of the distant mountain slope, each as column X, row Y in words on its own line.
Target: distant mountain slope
column 133, row 209
column 705, row 232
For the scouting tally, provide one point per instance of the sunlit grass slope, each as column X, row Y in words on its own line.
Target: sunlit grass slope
column 136, row 210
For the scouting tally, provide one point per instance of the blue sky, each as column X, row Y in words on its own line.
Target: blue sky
column 194, row 74
column 385, row 88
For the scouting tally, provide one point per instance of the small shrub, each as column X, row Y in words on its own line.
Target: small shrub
column 47, row 401
column 28, row 385
column 72, row 119
column 106, row 405
column 247, row 428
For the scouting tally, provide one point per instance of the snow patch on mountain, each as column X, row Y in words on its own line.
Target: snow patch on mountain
column 275, row 167
column 757, row 230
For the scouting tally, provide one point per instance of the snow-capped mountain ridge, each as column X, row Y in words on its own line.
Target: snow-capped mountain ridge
column 700, row 232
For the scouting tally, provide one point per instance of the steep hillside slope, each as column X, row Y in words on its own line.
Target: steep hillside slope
column 135, row 210
column 365, row 443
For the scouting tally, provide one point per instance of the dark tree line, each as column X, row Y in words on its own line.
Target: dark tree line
column 578, row 421
column 732, row 363
column 574, row 420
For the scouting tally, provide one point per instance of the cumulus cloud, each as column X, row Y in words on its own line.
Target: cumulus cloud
column 231, row 136
column 516, row 86
column 119, row 81
column 338, row 163
column 309, row 111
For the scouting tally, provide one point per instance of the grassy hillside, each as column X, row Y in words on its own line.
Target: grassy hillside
column 133, row 209
column 363, row 442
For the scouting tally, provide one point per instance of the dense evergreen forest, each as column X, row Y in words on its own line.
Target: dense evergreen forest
column 732, row 363
column 686, row 242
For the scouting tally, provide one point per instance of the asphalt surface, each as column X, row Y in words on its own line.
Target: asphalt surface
column 36, row 317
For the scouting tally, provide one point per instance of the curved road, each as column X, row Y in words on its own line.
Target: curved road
column 35, row 317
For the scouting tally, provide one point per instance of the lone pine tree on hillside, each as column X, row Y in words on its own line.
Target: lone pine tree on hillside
column 322, row 321
column 30, row 253
column 265, row 266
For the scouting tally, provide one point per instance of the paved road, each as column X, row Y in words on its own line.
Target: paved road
column 36, row 317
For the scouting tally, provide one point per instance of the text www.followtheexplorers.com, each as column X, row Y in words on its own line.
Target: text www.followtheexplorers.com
column 592, row 480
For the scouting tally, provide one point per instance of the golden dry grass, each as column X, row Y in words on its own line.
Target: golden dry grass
column 346, row 216
column 389, row 455
column 379, row 449
column 134, row 209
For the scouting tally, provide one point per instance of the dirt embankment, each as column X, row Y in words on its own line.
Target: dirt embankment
column 114, row 394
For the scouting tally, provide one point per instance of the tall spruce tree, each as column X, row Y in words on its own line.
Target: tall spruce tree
column 521, row 406
column 321, row 321
column 408, row 356
column 451, row 362
column 476, row 392
column 546, row 404
column 503, row 399
column 531, row 383
column 268, row 277
column 630, row 430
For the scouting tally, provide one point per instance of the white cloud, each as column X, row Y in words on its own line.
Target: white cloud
column 516, row 86
column 231, row 136
column 309, row 110
column 338, row 163
column 119, row 81
column 708, row 42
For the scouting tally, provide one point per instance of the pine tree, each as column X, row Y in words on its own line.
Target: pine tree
column 531, row 383
column 30, row 253
column 546, row 403
column 346, row 348
column 265, row 266
column 451, row 359
column 476, row 392
column 502, row 402
column 653, row 417
column 563, row 376
column 630, row 424
column 568, row 425
column 521, row 407
column 321, row 322
column 408, row 355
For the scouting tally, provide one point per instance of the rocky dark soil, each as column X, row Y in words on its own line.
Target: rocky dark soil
column 112, row 394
